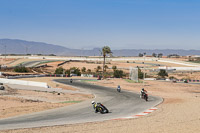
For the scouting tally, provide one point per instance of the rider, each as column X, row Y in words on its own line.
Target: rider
column 98, row 107
column 143, row 91
column 95, row 106
column 118, row 88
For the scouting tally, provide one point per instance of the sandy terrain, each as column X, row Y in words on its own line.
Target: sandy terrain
column 189, row 75
column 6, row 61
column 120, row 65
column 17, row 102
column 14, row 61
column 180, row 112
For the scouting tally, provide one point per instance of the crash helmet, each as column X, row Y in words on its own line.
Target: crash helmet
column 143, row 89
column 93, row 102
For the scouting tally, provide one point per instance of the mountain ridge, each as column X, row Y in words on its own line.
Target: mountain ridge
column 17, row 46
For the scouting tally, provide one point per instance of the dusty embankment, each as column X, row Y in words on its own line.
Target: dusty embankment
column 180, row 112
column 18, row 102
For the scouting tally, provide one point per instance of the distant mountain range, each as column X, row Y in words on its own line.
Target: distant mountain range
column 15, row 46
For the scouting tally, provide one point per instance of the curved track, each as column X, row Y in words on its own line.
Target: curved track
column 34, row 63
column 121, row 104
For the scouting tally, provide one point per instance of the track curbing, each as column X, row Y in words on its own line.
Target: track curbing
column 146, row 112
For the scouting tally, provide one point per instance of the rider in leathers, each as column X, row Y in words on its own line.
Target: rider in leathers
column 95, row 106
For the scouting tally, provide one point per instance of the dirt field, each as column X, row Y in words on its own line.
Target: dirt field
column 17, row 102
column 189, row 75
column 6, row 61
column 180, row 112
column 119, row 64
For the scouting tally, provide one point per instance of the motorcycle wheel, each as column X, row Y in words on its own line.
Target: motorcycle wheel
column 106, row 111
column 101, row 110
column 146, row 98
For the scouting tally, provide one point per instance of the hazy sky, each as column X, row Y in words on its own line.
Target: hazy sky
column 85, row 24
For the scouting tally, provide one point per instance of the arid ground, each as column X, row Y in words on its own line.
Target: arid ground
column 179, row 112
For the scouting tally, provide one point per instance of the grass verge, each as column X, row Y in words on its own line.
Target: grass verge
column 88, row 80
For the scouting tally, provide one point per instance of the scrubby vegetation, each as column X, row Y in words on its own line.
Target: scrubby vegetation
column 59, row 70
column 162, row 73
column 118, row 74
column 140, row 74
column 21, row 69
column 72, row 70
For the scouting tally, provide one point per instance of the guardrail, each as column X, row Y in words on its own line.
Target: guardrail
column 23, row 82
column 182, row 80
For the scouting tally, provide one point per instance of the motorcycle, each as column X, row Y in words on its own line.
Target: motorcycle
column 144, row 96
column 101, row 108
column 119, row 89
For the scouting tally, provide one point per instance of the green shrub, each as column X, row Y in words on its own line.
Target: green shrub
column 75, row 70
column 140, row 74
column 118, row 74
column 98, row 68
column 21, row 69
column 83, row 69
column 108, row 74
column 67, row 72
column 89, row 71
column 59, row 70
column 172, row 77
column 162, row 73
column 114, row 68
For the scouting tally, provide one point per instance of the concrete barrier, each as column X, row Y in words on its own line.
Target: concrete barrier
column 181, row 68
column 23, row 82
column 150, row 79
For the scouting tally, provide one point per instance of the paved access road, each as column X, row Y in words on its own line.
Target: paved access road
column 119, row 104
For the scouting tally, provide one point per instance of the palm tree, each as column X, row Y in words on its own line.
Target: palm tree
column 105, row 50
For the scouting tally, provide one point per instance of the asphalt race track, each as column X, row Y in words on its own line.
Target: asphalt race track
column 31, row 63
column 120, row 105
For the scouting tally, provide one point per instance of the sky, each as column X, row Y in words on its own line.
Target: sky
column 119, row 24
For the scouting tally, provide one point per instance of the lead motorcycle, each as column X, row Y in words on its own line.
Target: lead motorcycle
column 99, row 107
